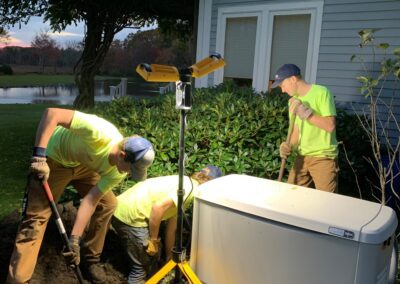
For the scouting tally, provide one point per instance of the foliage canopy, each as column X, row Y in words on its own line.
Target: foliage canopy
column 103, row 19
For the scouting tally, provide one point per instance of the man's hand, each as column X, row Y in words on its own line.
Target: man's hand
column 73, row 257
column 299, row 109
column 152, row 247
column 284, row 150
column 40, row 168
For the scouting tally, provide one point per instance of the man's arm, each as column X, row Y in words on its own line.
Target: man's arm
column 327, row 123
column 50, row 119
column 170, row 237
column 157, row 212
column 85, row 211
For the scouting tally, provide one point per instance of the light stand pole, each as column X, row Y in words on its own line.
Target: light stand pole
column 183, row 77
column 178, row 253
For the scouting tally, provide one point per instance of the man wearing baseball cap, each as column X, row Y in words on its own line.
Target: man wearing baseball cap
column 314, row 132
column 89, row 153
column 140, row 211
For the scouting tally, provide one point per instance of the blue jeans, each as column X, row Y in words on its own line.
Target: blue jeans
column 134, row 240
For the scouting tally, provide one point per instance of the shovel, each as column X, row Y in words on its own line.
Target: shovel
column 289, row 135
column 61, row 227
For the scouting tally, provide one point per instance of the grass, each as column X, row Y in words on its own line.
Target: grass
column 18, row 123
column 32, row 80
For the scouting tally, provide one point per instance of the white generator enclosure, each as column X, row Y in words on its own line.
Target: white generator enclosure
column 253, row 230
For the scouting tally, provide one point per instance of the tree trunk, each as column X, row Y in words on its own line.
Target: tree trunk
column 98, row 39
column 85, row 98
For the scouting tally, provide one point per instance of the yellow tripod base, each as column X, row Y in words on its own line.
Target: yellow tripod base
column 184, row 267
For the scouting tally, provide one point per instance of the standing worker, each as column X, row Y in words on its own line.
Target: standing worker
column 89, row 153
column 140, row 211
column 314, row 131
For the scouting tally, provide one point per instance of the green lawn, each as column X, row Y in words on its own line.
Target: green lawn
column 18, row 123
column 34, row 80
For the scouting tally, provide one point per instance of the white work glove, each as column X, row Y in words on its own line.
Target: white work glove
column 299, row 109
column 284, row 150
column 73, row 257
column 40, row 168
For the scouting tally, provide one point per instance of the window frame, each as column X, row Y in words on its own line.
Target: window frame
column 262, row 56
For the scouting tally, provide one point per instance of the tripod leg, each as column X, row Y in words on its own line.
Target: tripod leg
column 161, row 273
column 189, row 274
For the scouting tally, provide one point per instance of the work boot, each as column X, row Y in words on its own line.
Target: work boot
column 96, row 273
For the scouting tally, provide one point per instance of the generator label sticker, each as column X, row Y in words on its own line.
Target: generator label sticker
column 341, row 232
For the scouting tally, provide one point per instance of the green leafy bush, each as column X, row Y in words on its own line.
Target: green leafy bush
column 6, row 70
column 353, row 147
column 237, row 130
column 234, row 128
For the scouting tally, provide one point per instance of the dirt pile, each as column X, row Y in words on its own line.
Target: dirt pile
column 51, row 267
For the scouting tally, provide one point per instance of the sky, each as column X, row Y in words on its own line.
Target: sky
column 22, row 36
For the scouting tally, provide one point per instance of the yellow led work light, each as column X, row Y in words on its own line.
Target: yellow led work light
column 166, row 73
column 158, row 73
column 207, row 65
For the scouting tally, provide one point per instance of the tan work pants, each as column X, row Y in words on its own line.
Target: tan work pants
column 315, row 172
column 32, row 227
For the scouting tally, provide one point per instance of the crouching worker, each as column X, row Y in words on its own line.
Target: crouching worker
column 89, row 153
column 140, row 211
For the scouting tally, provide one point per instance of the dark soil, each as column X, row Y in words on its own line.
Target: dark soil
column 51, row 267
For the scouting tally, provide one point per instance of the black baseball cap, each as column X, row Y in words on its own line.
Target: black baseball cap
column 285, row 71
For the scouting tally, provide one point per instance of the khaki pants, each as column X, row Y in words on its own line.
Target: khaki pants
column 33, row 224
column 319, row 173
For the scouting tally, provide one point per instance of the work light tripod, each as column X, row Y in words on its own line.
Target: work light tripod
column 183, row 79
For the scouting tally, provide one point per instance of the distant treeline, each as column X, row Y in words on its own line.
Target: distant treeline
column 35, row 60
column 142, row 47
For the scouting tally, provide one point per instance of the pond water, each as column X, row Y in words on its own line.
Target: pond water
column 65, row 94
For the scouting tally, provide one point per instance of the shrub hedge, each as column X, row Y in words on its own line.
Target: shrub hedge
column 235, row 128
column 6, row 69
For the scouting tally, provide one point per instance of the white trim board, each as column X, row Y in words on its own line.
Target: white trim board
column 265, row 15
column 203, row 37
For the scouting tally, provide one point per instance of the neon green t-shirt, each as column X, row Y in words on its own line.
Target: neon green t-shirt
column 87, row 142
column 314, row 141
column 134, row 205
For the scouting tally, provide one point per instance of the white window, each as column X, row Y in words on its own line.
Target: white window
column 289, row 41
column 240, row 39
column 255, row 40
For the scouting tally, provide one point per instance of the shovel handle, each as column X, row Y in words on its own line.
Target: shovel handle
column 60, row 226
column 289, row 135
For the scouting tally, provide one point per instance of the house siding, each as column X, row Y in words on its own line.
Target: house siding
column 341, row 22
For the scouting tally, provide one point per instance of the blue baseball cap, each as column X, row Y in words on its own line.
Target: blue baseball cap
column 139, row 152
column 285, row 71
column 212, row 171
